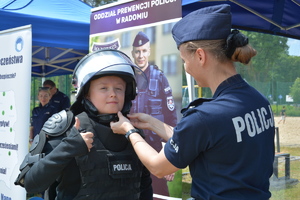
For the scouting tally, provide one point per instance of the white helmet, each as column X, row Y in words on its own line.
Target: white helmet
column 104, row 63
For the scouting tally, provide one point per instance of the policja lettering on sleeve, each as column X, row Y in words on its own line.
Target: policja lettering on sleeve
column 250, row 121
column 174, row 145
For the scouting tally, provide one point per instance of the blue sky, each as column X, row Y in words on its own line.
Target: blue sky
column 294, row 45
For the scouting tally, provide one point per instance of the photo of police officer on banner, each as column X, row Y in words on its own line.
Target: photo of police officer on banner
column 156, row 100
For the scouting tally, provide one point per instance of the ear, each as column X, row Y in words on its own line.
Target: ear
column 200, row 53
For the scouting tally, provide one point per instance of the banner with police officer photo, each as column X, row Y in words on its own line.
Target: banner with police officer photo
column 142, row 30
column 15, row 80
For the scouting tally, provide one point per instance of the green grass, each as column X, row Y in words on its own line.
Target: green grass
column 175, row 188
column 289, row 191
column 186, row 191
column 186, row 184
column 291, row 110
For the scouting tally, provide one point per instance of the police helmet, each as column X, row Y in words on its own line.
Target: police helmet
column 108, row 62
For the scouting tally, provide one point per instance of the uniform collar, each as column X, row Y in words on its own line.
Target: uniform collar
column 45, row 106
column 57, row 91
column 147, row 70
column 194, row 103
column 233, row 80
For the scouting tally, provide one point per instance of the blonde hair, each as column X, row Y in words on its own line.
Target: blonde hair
column 45, row 89
column 217, row 49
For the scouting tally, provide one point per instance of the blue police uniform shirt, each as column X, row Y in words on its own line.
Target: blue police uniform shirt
column 40, row 115
column 228, row 143
column 60, row 101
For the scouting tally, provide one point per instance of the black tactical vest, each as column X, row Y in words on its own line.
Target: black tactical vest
column 107, row 174
column 148, row 100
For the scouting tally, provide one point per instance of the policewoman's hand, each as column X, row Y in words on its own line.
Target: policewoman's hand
column 121, row 126
column 140, row 120
column 86, row 136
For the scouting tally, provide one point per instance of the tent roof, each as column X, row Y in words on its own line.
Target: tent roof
column 266, row 16
column 60, row 31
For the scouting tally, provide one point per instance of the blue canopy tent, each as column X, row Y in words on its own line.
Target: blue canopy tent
column 276, row 17
column 60, row 32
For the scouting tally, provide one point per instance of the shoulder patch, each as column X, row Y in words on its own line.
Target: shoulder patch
column 170, row 103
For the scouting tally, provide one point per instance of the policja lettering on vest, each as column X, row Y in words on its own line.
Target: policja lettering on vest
column 122, row 167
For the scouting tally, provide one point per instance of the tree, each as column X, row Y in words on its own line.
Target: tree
column 264, row 66
column 287, row 68
column 295, row 91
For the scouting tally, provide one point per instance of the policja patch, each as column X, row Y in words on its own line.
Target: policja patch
column 170, row 103
column 121, row 166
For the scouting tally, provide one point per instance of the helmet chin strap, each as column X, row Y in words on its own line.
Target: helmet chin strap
column 107, row 118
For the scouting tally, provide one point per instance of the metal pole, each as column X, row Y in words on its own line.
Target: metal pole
column 277, row 139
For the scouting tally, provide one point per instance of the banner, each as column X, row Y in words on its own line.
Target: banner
column 133, row 14
column 142, row 30
column 15, row 80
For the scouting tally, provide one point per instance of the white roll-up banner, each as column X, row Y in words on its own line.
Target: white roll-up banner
column 15, row 80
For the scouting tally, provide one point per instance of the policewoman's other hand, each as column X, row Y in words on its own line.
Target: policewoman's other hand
column 86, row 136
column 140, row 120
column 121, row 126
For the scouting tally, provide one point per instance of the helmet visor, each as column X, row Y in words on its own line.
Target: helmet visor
column 106, row 62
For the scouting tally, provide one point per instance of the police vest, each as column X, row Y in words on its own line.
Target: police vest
column 149, row 100
column 106, row 174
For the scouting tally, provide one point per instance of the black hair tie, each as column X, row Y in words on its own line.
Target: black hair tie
column 235, row 39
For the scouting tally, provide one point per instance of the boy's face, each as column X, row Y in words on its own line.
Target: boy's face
column 107, row 94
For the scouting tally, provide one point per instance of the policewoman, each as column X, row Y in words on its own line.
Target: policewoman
column 227, row 141
column 41, row 113
column 88, row 160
